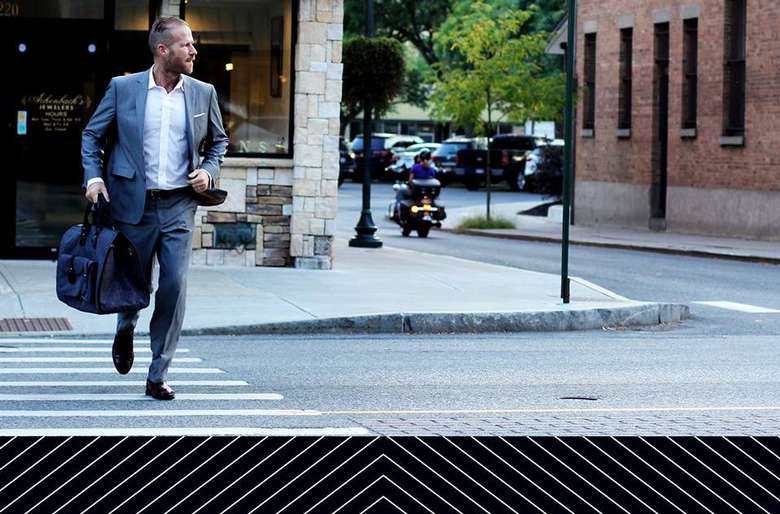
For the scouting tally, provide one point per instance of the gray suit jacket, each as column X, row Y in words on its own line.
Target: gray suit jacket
column 120, row 116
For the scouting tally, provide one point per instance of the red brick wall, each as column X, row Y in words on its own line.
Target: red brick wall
column 701, row 162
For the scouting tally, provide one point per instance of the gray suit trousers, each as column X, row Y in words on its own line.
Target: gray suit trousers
column 165, row 232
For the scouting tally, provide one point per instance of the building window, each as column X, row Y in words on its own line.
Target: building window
column 626, row 49
column 589, row 104
column 734, row 68
column 690, row 69
column 245, row 49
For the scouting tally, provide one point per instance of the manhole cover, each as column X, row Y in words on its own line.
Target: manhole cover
column 585, row 398
column 34, row 324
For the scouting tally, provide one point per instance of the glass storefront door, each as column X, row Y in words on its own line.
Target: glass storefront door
column 53, row 69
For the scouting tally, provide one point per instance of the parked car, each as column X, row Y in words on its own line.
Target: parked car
column 508, row 153
column 544, row 169
column 445, row 157
column 403, row 161
column 346, row 163
column 383, row 147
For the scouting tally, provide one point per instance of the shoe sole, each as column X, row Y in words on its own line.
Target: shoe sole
column 148, row 393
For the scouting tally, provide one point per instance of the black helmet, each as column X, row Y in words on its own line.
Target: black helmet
column 425, row 155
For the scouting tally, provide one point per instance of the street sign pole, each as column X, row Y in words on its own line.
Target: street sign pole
column 568, row 163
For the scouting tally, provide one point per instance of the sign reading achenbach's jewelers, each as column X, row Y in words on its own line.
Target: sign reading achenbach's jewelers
column 48, row 112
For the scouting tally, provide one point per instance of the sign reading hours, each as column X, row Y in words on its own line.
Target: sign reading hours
column 48, row 112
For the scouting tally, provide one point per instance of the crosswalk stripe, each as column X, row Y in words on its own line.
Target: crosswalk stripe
column 133, row 397
column 112, row 371
column 46, row 340
column 741, row 307
column 69, row 349
column 154, row 413
column 118, row 383
column 185, row 431
column 85, row 359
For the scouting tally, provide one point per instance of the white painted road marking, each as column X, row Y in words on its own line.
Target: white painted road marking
column 46, row 340
column 184, row 431
column 69, row 349
column 118, row 383
column 741, row 307
column 85, row 359
column 133, row 397
column 111, row 371
column 153, row 413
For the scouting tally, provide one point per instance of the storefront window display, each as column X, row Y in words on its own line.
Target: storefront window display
column 245, row 50
column 63, row 52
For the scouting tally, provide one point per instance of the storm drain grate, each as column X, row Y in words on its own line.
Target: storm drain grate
column 34, row 324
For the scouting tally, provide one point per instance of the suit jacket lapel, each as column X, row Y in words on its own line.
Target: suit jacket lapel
column 189, row 104
column 140, row 109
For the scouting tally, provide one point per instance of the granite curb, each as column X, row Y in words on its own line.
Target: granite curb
column 641, row 314
column 670, row 250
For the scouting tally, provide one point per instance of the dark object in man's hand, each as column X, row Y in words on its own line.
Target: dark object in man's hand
column 209, row 197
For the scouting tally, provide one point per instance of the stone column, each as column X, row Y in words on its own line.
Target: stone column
column 318, row 77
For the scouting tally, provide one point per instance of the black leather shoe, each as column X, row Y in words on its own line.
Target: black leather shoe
column 159, row 391
column 122, row 352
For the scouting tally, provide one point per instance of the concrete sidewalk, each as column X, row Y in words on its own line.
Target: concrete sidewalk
column 539, row 228
column 375, row 291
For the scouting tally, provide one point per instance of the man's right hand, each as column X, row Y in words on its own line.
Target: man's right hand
column 96, row 189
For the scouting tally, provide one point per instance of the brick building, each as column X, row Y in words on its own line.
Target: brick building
column 678, row 118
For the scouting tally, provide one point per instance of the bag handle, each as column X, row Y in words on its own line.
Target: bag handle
column 101, row 217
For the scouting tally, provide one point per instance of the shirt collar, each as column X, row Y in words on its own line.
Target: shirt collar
column 152, row 84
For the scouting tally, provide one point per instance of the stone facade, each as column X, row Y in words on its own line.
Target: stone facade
column 713, row 187
column 282, row 212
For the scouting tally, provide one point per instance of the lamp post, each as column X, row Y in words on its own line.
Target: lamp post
column 568, row 161
column 366, row 227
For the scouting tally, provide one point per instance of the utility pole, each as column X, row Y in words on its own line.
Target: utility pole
column 366, row 227
column 568, row 161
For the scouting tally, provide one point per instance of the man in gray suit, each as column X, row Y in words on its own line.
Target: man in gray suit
column 153, row 125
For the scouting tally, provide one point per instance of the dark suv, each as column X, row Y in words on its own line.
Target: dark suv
column 445, row 157
column 383, row 147
column 508, row 153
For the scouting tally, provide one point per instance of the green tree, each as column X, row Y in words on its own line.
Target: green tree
column 412, row 22
column 499, row 70
column 364, row 81
column 417, row 23
column 546, row 14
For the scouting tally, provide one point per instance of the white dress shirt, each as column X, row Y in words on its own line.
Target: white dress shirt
column 166, row 150
column 165, row 137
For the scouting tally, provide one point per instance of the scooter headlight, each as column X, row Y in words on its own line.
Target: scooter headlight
column 415, row 209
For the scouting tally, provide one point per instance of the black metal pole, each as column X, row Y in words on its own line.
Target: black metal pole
column 568, row 150
column 366, row 227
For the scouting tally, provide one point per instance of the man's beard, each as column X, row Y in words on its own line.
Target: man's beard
column 175, row 66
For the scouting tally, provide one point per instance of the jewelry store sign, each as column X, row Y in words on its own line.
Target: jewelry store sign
column 53, row 113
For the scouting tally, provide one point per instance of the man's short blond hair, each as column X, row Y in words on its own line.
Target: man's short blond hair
column 162, row 31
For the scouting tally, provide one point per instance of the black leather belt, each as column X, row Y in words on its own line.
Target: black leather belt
column 157, row 194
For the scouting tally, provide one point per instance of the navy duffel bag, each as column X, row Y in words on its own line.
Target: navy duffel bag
column 98, row 268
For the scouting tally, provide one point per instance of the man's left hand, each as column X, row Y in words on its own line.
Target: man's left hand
column 199, row 180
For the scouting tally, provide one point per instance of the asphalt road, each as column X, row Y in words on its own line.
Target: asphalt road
column 716, row 374
column 600, row 382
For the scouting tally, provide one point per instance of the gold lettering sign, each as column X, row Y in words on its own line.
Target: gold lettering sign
column 9, row 9
column 56, row 113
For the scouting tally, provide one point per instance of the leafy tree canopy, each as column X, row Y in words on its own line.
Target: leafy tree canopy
column 365, row 80
column 418, row 22
column 499, row 68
